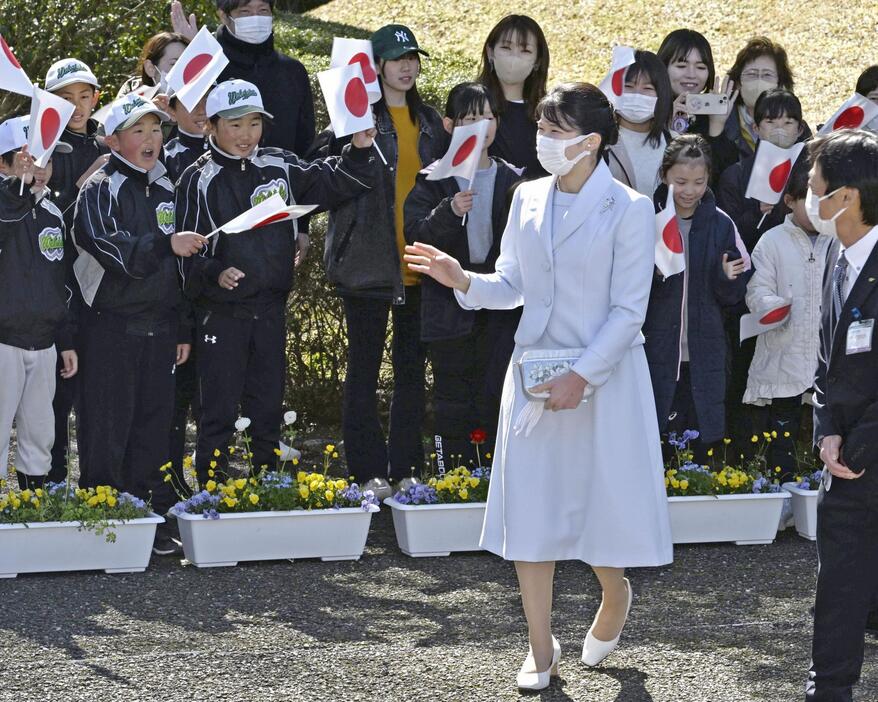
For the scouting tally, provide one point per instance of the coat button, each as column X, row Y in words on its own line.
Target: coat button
column 548, row 301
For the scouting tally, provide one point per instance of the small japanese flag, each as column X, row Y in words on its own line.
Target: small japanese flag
column 771, row 171
column 669, row 256
column 462, row 157
column 775, row 316
column 270, row 211
column 49, row 116
column 197, row 69
column 614, row 83
column 856, row 112
column 349, row 51
column 12, row 75
column 344, row 90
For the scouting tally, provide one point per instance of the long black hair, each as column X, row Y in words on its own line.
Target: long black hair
column 516, row 28
column 677, row 45
column 413, row 99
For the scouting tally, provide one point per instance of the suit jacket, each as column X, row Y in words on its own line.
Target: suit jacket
column 586, row 284
column 846, row 399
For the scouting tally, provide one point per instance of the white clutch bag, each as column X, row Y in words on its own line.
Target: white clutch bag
column 538, row 367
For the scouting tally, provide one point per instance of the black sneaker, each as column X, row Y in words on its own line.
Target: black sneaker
column 164, row 544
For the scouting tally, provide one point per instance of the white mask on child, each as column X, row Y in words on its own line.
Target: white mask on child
column 812, row 207
column 253, row 30
column 637, row 108
column 552, row 155
column 782, row 138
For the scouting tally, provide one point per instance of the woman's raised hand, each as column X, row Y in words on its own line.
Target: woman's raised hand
column 724, row 86
column 441, row 267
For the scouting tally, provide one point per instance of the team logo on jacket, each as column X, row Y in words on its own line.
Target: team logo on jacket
column 263, row 192
column 52, row 243
column 166, row 217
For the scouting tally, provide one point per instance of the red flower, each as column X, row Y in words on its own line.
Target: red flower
column 478, row 436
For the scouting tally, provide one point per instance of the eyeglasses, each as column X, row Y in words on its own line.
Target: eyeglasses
column 753, row 74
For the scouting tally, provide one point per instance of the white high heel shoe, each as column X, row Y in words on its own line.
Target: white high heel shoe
column 594, row 651
column 540, row 681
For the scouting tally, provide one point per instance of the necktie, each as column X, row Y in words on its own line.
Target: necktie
column 839, row 275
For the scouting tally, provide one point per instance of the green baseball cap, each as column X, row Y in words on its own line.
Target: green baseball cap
column 394, row 40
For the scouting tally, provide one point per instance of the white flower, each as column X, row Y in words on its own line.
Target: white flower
column 290, row 417
column 242, row 423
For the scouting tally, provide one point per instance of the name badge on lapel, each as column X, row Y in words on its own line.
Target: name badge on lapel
column 860, row 336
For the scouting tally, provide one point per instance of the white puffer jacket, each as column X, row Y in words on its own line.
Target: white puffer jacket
column 786, row 265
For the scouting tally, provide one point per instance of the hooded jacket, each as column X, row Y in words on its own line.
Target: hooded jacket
column 33, row 272
column 219, row 187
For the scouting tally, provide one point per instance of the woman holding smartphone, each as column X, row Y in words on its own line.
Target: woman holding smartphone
column 583, row 481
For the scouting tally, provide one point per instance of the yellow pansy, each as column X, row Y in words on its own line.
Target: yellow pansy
column 684, row 484
column 304, row 492
column 210, row 485
column 240, row 483
column 464, row 493
column 254, row 498
column 330, row 495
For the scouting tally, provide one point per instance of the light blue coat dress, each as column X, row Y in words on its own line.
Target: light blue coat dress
column 586, row 484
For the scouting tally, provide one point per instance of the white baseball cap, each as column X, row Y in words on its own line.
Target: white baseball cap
column 14, row 133
column 235, row 98
column 127, row 110
column 67, row 71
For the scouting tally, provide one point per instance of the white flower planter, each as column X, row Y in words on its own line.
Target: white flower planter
column 437, row 530
column 744, row 519
column 328, row 534
column 47, row 547
column 804, row 510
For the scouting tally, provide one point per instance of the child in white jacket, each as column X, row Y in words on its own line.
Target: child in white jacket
column 788, row 263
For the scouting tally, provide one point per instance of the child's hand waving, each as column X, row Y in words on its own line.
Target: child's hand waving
column 732, row 269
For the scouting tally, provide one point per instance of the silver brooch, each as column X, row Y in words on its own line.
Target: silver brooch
column 608, row 204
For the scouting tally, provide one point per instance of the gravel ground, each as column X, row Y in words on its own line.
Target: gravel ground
column 724, row 623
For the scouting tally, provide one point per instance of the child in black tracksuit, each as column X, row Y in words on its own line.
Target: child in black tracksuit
column 34, row 319
column 73, row 81
column 240, row 282
column 469, row 350
column 134, row 328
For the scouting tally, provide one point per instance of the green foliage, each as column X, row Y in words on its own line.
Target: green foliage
column 108, row 36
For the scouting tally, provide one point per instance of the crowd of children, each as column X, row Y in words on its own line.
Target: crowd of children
column 118, row 298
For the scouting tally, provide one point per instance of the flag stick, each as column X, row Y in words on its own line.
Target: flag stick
column 471, row 181
column 375, row 144
column 215, row 231
column 762, row 220
column 21, row 188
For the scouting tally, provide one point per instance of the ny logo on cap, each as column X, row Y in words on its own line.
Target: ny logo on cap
column 237, row 95
column 70, row 68
column 402, row 37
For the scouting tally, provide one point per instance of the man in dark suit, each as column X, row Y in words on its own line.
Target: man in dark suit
column 844, row 202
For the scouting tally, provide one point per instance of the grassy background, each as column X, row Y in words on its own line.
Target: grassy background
column 828, row 43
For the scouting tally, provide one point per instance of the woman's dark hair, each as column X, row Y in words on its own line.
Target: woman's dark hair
column 583, row 107
column 797, row 185
column 469, row 98
column 648, row 65
column 413, row 99
column 848, row 158
column 686, row 147
column 154, row 49
column 776, row 103
column 677, row 45
column 763, row 46
column 868, row 81
column 228, row 6
column 516, row 28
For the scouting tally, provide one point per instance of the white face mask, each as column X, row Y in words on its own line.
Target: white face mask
column 512, row 69
column 253, row 30
column 551, row 154
column 812, row 207
column 782, row 138
column 752, row 89
column 636, row 107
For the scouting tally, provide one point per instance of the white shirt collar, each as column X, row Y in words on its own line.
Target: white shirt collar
column 857, row 254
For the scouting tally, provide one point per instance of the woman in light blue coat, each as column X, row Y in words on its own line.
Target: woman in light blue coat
column 583, row 481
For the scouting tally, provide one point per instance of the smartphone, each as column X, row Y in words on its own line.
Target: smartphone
column 706, row 104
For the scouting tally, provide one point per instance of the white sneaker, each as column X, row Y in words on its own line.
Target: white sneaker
column 288, row 453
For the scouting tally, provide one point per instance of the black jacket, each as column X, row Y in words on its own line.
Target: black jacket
column 430, row 220
column 219, row 187
column 68, row 168
column 360, row 254
column 181, row 152
column 33, row 291
column 846, row 398
column 284, row 85
column 707, row 292
column 126, row 267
